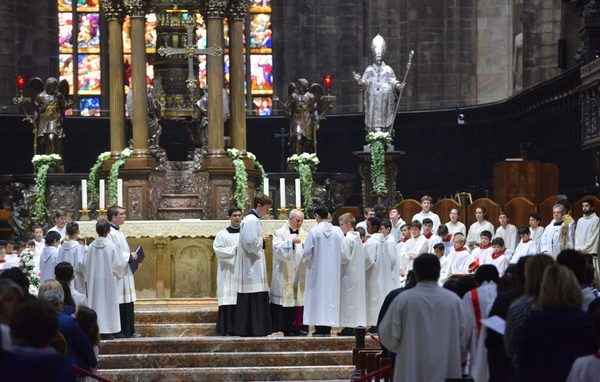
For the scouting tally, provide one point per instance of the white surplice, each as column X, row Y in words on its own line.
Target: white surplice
column 423, row 215
column 425, row 327
column 289, row 269
column 536, row 235
column 481, row 253
column 225, row 246
column 323, row 256
column 251, row 267
column 125, row 283
column 353, row 311
column 47, row 263
column 401, row 259
column 378, row 269
column 73, row 253
column 458, row 262
column 476, row 229
column 62, row 232
column 414, row 247
column 431, row 241
column 103, row 265
column 587, row 234
column 553, row 240
column 500, row 260
column 391, row 242
column 524, row 248
column 396, row 230
column 458, row 227
column 510, row 235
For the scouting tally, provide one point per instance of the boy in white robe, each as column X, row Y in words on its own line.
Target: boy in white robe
column 73, row 253
column 225, row 246
column 426, row 204
column 48, row 257
column 60, row 224
column 63, row 272
column 103, row 264
column 402, row 261
column 507, row 231
column 38, row 238
column 289, row 274
column 536, row 231
column 378, row 268
column 386, row 230
column 353, row 312
column 526, row 246
column 415, row 246
column 445, row 238
column 500, row 257
column 482, row 251
column 558, row 235
column 323, row 256
column 430, row 236
column 397, row 223
column 454, row 225
column 481, row 224
column 368, row 212
column 458, row 259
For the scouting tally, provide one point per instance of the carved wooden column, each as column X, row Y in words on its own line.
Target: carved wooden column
column 113, row 10
column 215, row 11
column 237, row 16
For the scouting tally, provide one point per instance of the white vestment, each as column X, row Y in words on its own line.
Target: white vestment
column 587, row 234
column 414, row 247
column 431, row 241
column 363, row 224
column 523, row 249
column 73, row 253
column 510, row 235
column 391, row 242
column 125, row 283
column 423, row 215
column 481, row 253
column 500, row 260
column 458, row 227
column 448, row 244
column 47, row 263
column 477, row 304
column 425, row 327
column 353, row 311
column 289, row 268
column 62, row 231
column 225, row 246
column 378, row 270
column 458, row 262
column 536, row 235
column 251, row 267
column 401, row 259
column 396, row 230
column 323, row 256
column 103, row 265
column 475, row 231
column 554, row 241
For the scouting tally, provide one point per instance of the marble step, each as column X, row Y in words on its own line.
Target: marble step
column 220, row 359
column 284, row 373
column 224, row 344
column 176, row 330
column 179, row 315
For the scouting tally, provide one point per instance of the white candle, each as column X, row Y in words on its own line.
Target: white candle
column 298, row 199
column 84, row 194
column 266, row 186
column 120, row 192
column 282, row 192
column 101, row 187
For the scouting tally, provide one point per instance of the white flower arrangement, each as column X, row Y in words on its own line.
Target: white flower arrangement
column 93, row 187
column 378, row 140
column 113, row 175
column 305, row 163
column 41, row 165
column 240, row 178
column 27, row 265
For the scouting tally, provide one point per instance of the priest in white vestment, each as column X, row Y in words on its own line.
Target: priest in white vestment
column 103, row 264
column 587, row 231
column 526, row 246
column 225, row 246
column 59, row 217
column 507, row 232
column 73, row 253
column 397, row 223
column 289, row 274
column 353, row 311
column 454, row 225
column 126, row 284
column 378, row 270
column 536, row 231
column 481, row 224
column 426, row 204
column 323, row 256
column 558, row 235
column 252, row 306
column 425, row 327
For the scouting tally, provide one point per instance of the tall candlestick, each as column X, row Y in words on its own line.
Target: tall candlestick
column 120, row 192
column 298, row 199
column 282, row 192
column 266, row 186
column 84, row 194
column 101, row 202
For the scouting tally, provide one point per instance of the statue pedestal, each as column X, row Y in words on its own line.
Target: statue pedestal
column 369, row 197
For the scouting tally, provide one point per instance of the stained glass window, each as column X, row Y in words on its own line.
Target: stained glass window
column 89, row 106
column 261, row 57
column 65, row 32
column 88, row 39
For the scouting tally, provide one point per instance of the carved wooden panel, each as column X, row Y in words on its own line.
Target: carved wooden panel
column 408, row 208
column 443, row 208
column 136, row 199
column 492, row 211
column 518, row 210
column 545, row 209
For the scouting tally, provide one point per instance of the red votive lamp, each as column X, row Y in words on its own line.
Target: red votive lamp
column 20, row 80
column 328, row 79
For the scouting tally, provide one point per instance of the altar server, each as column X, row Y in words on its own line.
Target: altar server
column 73, row 253
column 446, row 238
column 253, row 315
column 415, row 246
column 536, row 231
column 289, row 273
column 507, row 231
column 59, row 217
column 454, row 225
column 386, row 230
column 558, row 235
column 500, row 257
column 481, row 252
column 353, row 311
column 587, row 232
column 481, row 224
column 430, row 236
column 48, row 257
column 368, row 212
column 103, row 265
column 225, row 246
column 397, row 223
column 323, row 256
column 458, row 259
column 402, row 261
column 116, row 218
column 526, row 246
column 426, row 203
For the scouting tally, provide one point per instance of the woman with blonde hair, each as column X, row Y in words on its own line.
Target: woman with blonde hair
column 557, row 331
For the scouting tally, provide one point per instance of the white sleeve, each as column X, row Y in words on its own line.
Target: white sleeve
column 222, row 250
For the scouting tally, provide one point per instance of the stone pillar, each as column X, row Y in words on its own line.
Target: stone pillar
column 215, row 11
column 237, row 15
column 136, row 11
column 113, row 10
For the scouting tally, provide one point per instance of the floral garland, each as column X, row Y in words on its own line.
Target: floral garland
column 378, row 140
column 259, row 167
column 240, row 178
column 92, row 186
column 27, row 265
column 41, row 165
column 113, row 175
column 305, row 163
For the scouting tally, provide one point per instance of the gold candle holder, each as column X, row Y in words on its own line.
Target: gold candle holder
column 283, row 213
column 101, row 214
column 85, row 215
